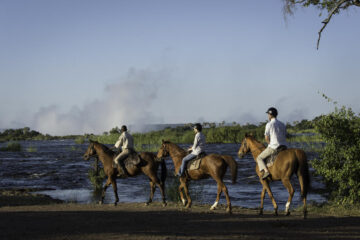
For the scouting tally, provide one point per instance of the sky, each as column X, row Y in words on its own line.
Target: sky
column 84, row 66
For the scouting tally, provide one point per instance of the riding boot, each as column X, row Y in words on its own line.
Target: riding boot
column 122, row 173
column 265, row 175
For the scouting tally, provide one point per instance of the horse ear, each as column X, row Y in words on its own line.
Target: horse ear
column 163, row 141
column 251, row 135
column 91, row 141
column 246, row 135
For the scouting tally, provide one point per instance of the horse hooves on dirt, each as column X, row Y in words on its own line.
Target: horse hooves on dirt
column 115, row 204
column 164, row 204
column 147, row 204
column 100, row 202
column 287, row 214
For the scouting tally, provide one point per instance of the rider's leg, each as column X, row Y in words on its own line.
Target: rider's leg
column 184, row 162
column 261, row 161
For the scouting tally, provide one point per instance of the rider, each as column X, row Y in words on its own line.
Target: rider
column 275, row 136
column 196, row 149
column 126, row 143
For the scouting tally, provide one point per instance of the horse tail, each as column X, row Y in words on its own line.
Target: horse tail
column 163, row 171
column 230, row 161
column 303, row 172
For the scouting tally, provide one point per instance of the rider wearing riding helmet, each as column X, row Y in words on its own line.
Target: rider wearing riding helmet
column 275, row 136
column 196, row 149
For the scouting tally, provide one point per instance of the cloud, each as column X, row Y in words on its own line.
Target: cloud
column 127, row 101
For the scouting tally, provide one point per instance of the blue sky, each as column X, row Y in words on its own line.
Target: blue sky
column 71, row 67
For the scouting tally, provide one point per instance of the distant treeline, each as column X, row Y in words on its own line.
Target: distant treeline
column 215, row 133
column 27, row 134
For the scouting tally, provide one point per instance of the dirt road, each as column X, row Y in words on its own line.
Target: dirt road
column 136, row 221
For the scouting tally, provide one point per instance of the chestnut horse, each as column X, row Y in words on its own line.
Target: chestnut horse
column 212, row 165
column 148, row 165
column 287, row 163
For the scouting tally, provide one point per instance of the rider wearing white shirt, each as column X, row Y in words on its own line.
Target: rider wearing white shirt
column 196, row 149
column 275, row 136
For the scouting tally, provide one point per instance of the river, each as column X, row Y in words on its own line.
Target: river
column 56, row 168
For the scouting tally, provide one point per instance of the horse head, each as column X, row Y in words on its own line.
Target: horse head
column 90, row 152
column 163, row 151
column 244, row 148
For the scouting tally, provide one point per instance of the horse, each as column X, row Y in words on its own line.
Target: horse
column 287, row 162
column 148, row 165
column 212, row 165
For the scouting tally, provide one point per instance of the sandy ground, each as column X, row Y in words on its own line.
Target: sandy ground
column 27, row 216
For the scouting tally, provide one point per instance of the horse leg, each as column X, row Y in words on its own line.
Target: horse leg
column 268, row 189
column 286, row 182
column 186, row 191
column 108, row 182
column 162, row 190
column 152, row 190
column 213, row 207
column 181, row 187
column 114, row 185
column 225, row 190
column 262, row 197
column 301, row 181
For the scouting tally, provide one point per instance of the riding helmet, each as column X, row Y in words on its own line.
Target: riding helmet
column 198, row 127
column 272, row 111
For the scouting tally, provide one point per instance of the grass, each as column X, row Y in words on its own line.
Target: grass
column 31, row 149
column 333, row 209
column 12, row 147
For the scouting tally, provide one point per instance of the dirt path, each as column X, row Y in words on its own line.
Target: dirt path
column 136, row 221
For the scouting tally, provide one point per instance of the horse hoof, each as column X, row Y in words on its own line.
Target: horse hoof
column 164, row 204
column 228, row 210
column 115, row 204
column 147, row 204
column 287, row 214
column 213, row 208
column 101, row 202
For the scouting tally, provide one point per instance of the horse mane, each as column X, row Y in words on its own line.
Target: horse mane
column 104, row 147
column 177, row 148
column 256, row 142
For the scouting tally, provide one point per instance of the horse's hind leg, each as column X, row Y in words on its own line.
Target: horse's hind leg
column 152, row 190
column 224, row 189
column 213, row 207
column 286, row 182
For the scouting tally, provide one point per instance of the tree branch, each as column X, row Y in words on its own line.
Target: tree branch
column 327, row 20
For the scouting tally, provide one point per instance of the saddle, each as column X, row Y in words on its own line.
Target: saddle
column 269, row 161
column 194, row 164
column 132, row 160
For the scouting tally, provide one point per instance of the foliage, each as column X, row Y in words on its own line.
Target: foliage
column 331, row 6
column 339, row 161
column 12, row 147
column 96, row 175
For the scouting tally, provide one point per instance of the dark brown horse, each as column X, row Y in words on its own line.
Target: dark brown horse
column 213, row 165
column 287, row 163
column 148, row 165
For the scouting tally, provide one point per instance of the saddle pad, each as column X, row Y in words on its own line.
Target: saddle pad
column 194, row 164
column 271, row 159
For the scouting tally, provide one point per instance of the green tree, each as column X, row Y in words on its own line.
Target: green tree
column 332, row 7
column 339, row 163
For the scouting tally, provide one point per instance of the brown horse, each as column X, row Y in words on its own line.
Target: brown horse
column 213, row 165
column 287, row 163
column 148, row 165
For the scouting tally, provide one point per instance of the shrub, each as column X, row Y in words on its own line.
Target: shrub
column 339, row 163
column 12, row 147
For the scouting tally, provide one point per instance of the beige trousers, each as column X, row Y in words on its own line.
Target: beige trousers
column 262, row 156
column 122, row 156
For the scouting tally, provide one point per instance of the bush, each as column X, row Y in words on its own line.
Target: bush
column 339, row 163
column 12, row 147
